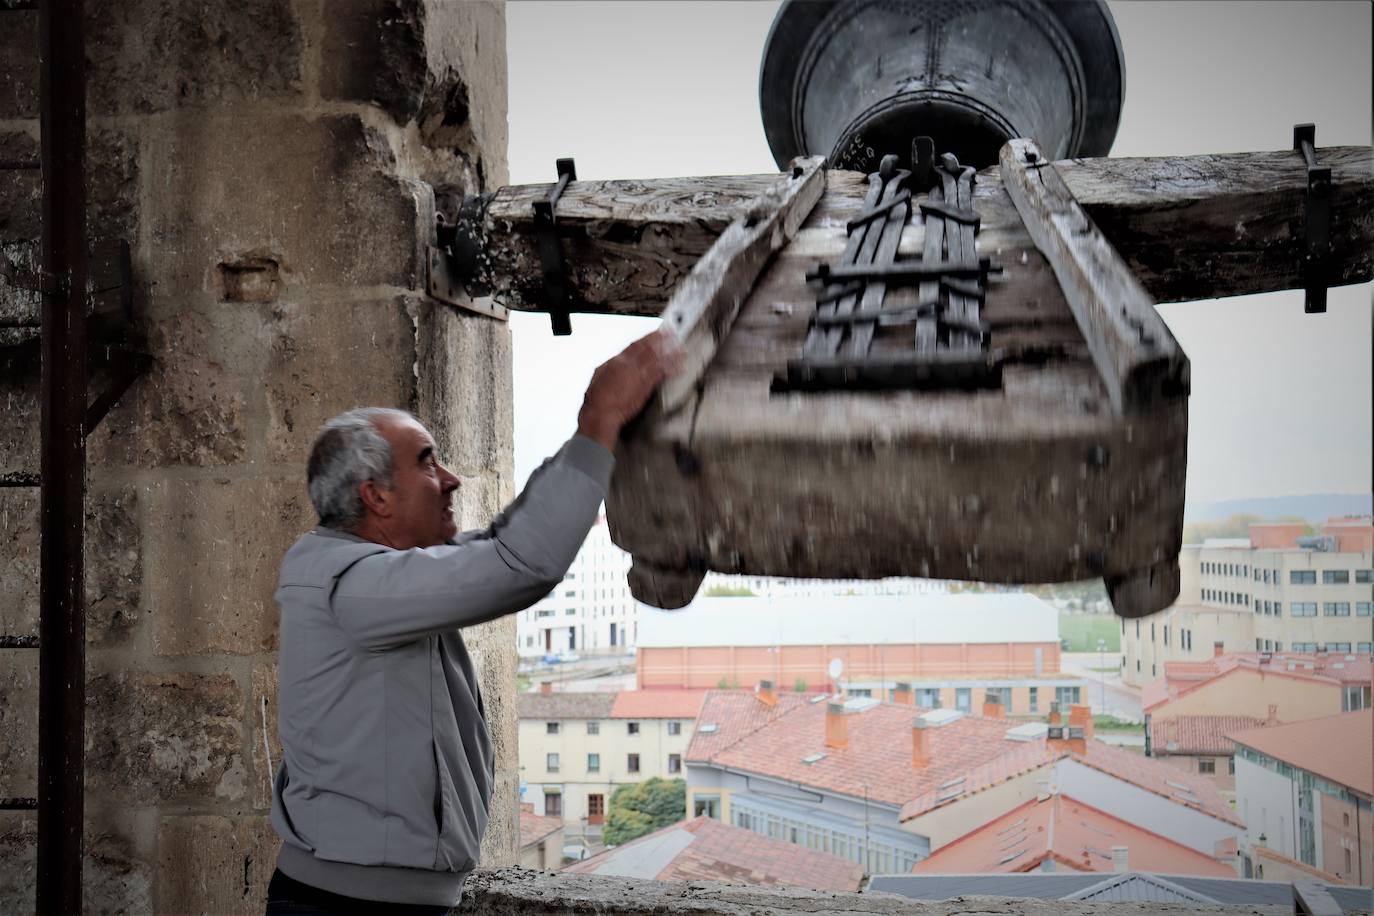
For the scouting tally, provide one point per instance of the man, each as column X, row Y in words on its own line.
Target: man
column 387, row 769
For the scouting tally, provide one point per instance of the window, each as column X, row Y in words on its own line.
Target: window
column 1266, row 577
column 1206, row 765
column 1364, row 608
column 1304, row 608
column 1278, row 645
column 1035, row 697
column 593, row 728
column 1303, row 576
column 1166, row 635
column 1336, row 608
column 706, row 805
column 1355, row 697
column 550, row 728
column 1152, row 632
column 963, row 698
column 1278, row 608
column 1304, row 647
column 596, row 809
column 999, row 694
column 551, row 763
column 674, row 763
column 1066, row 696
column 632, row 763
column 674, row 728
column 1337, row 647
column 1230, row 766
column 928, row 697
column 1363, row 647
column 1364, row 576
column 593, row 763
column 631, row 728
column 1335, row 577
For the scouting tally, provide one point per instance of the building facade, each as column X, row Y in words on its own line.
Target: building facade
column 1275, row 591
column 576, row 748
column 1304, row 791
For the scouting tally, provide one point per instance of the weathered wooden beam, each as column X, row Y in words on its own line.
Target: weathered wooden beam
column 704, row 304
column 1190, row 227
column 1138, row 358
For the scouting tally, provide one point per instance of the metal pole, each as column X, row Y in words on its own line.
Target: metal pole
column 62, row 621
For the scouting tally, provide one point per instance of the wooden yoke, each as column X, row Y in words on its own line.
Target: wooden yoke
column 706, row 301
column 1136, row 355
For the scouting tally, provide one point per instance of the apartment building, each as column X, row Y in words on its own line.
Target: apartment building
column 1304, row 791
column 951, row 651
column 576, row 748
column 888, row 784
column 1277, row 590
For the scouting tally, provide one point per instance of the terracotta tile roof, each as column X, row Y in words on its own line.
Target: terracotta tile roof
column 534, row 827
column 1197, row 734
column 1183, row 677
column 721, row 852
column 1338, row 748
column 657, row 704
column 1198, row 792
column 736, row 714
column 1023, row 759
column 1072, row 834
column 565, row 705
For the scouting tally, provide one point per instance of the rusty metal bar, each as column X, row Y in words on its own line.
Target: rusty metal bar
column 62, row 616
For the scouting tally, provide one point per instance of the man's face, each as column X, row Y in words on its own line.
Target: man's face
column 421, row 514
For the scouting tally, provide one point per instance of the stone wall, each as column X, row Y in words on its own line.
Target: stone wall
column 271, row 164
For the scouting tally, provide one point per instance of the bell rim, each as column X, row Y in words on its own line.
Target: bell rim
column 797, row 20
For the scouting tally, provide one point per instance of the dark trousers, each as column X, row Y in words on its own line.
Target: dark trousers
column 288, row 897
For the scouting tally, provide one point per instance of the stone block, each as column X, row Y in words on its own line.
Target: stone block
column 113, row 879
column 19, row 545
column 215, row 864
column 112, row 167
column 328, row 357
column 192, row 406
column 21, row 190
column 212, row 562
column 155, row 55
column 266, row 744
column 19, row 65
column 18, row 724
column 165, row 738
column 19, row 381
column 319, row 196
column 373, row 51
column 465, row 395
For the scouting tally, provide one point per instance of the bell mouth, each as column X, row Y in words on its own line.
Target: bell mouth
column 974, row 133
column 968, row 73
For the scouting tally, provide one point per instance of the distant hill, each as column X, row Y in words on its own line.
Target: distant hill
column 1315, row 509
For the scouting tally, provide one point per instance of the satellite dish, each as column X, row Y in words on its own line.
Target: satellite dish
column 836, row 667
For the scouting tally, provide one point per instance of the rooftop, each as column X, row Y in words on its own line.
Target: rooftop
column 565, row 705
column 706, row 849
column 1338, row 748
column 1069, row 833
column 534, row 827
column 1197, row 734
column 657, row 704
column 1181, row 677
column 970, row 751
column 853, row 619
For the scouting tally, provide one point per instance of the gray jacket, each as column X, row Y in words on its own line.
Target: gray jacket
column 387, row 768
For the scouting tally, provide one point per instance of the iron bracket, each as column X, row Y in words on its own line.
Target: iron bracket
column 1316, row 263
column 551, row 254
column 442, row 283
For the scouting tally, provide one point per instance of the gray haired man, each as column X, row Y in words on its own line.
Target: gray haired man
column 387, row 769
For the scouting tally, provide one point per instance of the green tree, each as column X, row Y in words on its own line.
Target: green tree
column 800, row 685
column 728, row 591
column 644, row 807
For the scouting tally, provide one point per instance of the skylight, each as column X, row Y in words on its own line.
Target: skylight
column 709, row 728
column 812, row 758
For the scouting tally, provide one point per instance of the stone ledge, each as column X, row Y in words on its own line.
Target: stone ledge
column 498, row 892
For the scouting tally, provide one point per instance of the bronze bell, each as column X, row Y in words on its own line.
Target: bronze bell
column 854, row 80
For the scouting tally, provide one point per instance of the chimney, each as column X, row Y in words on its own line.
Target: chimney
column 1054, row 738
column 903, row 695
column 1081, row 716
column 1076, row 739
column 1218, row 649
column 1055, row 718
column 1121, row 858
column 836, row 728
column 920, row 743
column 1273, row 717
column 546, row 687
column 766, row 694
column 992, row 706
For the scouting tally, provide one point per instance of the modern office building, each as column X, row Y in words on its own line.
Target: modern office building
column 1275, row 591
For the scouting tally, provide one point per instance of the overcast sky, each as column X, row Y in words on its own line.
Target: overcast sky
column 1281, row 401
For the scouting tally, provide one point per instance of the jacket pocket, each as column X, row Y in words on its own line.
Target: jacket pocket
column 459, row 838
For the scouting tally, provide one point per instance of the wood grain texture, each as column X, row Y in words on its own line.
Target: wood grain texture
column 705, row 303
column 1191, row 227
column 1133, row 349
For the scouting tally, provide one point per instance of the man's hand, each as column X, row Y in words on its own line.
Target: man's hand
column 622, row 385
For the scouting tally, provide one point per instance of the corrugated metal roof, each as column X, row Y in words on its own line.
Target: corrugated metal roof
column 856, row 619
column 1135, row 887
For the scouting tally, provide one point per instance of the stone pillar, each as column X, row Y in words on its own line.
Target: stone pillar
column 272, row 164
